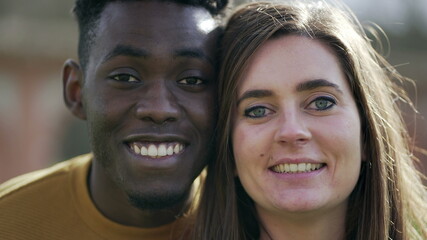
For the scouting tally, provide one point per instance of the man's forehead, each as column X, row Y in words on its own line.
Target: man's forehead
column 161, row 14
column 155, row 30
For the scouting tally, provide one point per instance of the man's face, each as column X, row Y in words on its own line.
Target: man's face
column 149, row 97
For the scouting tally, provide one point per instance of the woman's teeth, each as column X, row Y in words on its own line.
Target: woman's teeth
column 296, row 168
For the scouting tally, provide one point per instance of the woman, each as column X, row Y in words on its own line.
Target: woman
column 311, row 141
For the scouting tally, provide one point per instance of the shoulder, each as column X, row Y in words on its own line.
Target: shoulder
column 37, row 179
column 44, row 204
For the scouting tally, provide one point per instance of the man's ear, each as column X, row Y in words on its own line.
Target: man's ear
column 72, row 88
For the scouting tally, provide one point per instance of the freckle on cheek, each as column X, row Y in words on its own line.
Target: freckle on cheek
column 261, row 155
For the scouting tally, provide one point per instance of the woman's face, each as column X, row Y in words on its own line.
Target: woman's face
column 296, row 133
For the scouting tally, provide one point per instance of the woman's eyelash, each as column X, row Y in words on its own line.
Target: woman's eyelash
column 256, row 112
column 322, row 103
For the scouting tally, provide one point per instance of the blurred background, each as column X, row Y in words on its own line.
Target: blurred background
column 36, row 37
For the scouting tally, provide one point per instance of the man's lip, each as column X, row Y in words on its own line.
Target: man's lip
column 157, row 150
column 156, row 138
column 155, row 146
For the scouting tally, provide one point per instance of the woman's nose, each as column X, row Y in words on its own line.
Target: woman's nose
column 292, row 129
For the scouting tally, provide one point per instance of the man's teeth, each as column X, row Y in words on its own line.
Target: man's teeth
column 157, row 150
column 296, row 168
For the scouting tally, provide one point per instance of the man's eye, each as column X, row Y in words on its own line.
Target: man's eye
column 191, row 81
column 257, row 112
column 125, row 78
column 322, row 103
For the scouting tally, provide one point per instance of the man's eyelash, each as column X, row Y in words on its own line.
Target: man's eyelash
column 124, row 75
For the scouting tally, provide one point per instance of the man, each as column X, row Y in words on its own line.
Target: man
column 146, row 86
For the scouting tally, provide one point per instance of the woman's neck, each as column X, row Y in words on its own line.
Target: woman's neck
column 303, row 226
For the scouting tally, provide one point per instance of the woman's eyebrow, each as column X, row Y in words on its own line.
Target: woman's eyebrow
column 316, row 83
column 304, row 86
column 258, row 93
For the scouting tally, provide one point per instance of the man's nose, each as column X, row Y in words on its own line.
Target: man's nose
column 159, row 104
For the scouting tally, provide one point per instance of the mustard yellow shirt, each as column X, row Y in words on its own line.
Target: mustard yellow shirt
column 54, row 203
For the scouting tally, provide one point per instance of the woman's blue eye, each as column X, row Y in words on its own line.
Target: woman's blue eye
column 322, row 103
column 125, row 78
column 256, row 112
column 191, row 81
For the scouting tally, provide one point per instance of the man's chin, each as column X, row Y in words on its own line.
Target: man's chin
column 156, row 201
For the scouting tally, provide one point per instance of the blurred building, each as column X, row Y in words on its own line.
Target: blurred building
column 36, row 130
column 36, row 37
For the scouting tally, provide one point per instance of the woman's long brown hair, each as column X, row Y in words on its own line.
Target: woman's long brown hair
column 389, row 200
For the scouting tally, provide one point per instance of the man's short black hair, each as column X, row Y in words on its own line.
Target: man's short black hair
column 88, row 13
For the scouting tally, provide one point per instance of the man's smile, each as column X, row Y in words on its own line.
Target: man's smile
column 157, row 149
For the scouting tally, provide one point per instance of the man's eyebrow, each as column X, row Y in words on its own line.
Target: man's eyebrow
column 193, row 53
column 258, row 93
column 316, row 83
column 126, row 50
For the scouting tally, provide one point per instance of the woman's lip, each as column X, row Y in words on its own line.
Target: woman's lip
column 274, row 162
column 293, row 168
column 298, row 177
column 293, row 165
